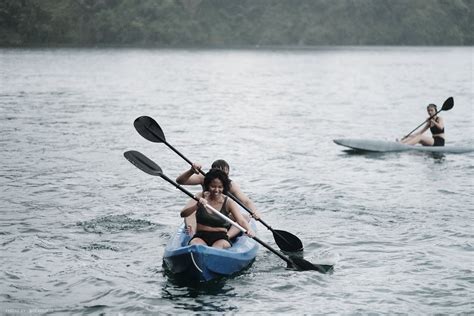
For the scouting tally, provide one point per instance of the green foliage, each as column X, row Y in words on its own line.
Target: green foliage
column 171, row 23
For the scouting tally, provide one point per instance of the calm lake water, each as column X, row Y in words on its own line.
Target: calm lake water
column 83, row 231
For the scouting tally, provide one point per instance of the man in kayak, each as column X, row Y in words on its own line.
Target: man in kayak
column 436, row 125
column 193, row 177
column 211, row 229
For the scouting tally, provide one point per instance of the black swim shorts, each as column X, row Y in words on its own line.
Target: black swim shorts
column 438, row 141
column 211, row 237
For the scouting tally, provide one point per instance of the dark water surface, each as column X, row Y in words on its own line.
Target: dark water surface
column 83, row 231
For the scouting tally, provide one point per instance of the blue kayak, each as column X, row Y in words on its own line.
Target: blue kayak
column 203, row 263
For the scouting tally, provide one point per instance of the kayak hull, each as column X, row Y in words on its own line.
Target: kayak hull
column 202, row 263
column 390, row 146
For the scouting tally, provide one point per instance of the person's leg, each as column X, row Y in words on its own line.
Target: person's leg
column 427, row 141
column 421, row 139
column 197, row 241
column 222, row 244
column 199, row 238
column 411, row 140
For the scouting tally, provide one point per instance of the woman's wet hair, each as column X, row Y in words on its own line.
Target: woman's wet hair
column 220, row 164
column 432, row 105
column 216, row 173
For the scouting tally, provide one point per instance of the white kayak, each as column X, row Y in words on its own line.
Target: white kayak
column 392, row 146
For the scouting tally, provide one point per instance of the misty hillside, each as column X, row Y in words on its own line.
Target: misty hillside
column 219, row 23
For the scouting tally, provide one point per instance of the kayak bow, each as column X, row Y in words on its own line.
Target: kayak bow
column 203, row 263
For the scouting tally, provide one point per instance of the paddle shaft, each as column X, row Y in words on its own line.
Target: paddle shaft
column 175, row 150
column 422, row 124
column 288, row 261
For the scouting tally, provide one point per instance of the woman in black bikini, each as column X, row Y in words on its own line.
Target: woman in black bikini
column 211, row 230
column 193, row 177
column 436, row 125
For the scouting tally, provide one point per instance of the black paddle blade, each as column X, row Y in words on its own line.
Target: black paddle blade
column 142, row 162
column 287, row 241
column 304, row 265
column 448, row 104
column 149, row 129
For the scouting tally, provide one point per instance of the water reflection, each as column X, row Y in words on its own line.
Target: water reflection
column 368, row 154
column 437, row 157
column 213, row 296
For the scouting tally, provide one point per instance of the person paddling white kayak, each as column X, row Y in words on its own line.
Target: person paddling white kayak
column 436, row 125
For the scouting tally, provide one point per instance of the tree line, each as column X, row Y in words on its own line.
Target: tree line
column 220, row 23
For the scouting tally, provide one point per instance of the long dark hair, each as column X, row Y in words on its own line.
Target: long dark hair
column 215, row 173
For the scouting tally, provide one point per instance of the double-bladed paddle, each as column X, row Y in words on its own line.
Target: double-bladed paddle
column 146, row 165
column 149, row 129
column 447, row 105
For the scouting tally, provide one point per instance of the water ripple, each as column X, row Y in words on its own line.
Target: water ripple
column 115, row 224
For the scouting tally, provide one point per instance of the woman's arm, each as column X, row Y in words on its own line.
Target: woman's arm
column 234, row 209
column 191, row 176
column 190, row 207
column 237, row 192
column 439, row 124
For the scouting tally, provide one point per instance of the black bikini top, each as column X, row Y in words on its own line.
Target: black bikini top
column 203, row 216
column 435, row 130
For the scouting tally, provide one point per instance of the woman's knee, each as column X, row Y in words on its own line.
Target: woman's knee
column 221, row 243
column 427, row 141
column 197, row 241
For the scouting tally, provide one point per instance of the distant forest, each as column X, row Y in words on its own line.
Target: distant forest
column 222, row 23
